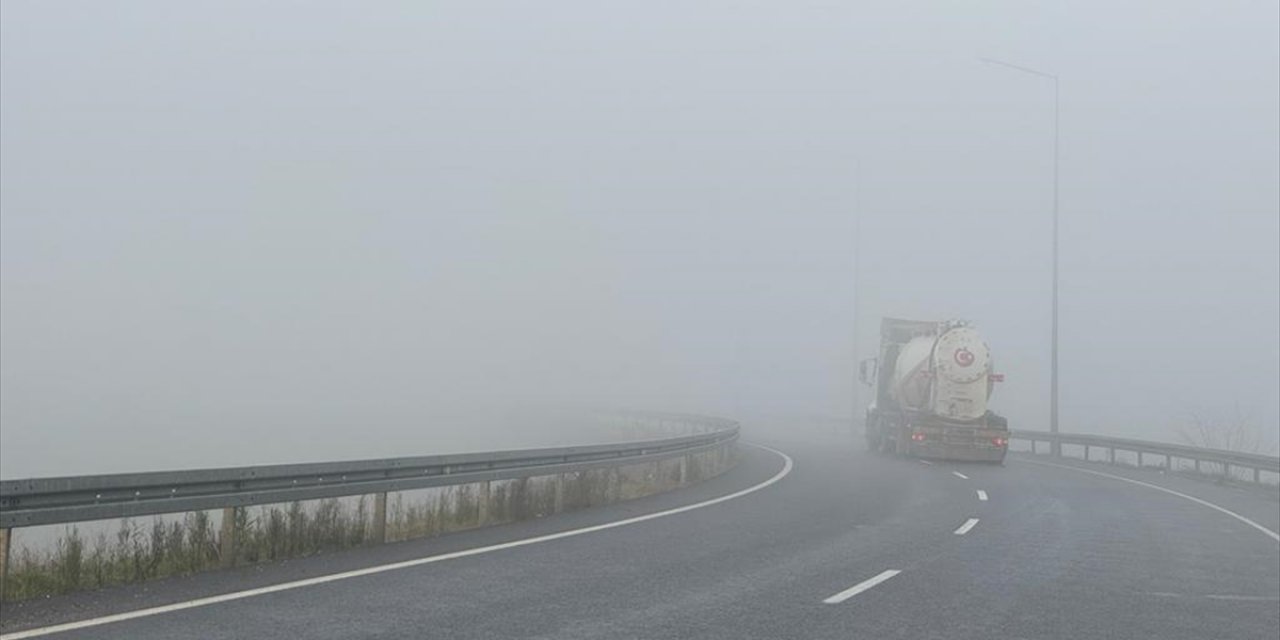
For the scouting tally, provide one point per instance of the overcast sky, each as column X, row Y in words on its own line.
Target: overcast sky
column 256, row 231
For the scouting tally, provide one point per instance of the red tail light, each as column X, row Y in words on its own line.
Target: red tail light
column 1000, row 442
column 917, row 437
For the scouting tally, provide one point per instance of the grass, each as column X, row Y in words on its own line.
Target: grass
column 133, row 553
column 140, row 551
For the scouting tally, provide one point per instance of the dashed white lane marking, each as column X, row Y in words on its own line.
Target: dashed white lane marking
column 959, row 475
column 1269, row 533
column 924, row 462
column 861, row 586
column 964, row 528
column 333, row 577
column 982, row 495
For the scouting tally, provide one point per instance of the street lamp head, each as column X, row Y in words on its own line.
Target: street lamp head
column 1018, row 67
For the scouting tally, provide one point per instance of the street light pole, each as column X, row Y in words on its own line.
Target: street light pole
column 857, row 292
column 1053, row 358
column 1053, row 371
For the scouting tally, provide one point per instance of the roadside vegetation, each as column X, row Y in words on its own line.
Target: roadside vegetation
column 145, row 550
column 97, row 555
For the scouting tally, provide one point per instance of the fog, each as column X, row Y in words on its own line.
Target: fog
column 262, row 232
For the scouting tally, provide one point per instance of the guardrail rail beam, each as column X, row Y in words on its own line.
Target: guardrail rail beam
column 1199, row 456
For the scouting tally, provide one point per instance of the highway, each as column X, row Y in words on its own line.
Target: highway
column 810, row 537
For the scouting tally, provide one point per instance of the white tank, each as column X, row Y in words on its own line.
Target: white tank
column 947, row 374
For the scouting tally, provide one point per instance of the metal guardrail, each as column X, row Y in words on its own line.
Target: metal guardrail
column 1170, row 452
column 43, row 501
column 64, row 500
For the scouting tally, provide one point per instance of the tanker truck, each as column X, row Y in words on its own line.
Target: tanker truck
column 932, row 381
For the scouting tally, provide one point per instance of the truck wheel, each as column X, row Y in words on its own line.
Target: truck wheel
column 887, row 446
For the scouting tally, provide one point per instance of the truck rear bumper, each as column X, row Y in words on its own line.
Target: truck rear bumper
column 976, row 443
column 953, row 452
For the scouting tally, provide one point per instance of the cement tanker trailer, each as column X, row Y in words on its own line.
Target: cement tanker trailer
column 932, row 381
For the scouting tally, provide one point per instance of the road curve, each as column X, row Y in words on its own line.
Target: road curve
column 846, row 545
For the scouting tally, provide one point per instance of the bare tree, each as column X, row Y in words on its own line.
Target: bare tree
column 1232, row 432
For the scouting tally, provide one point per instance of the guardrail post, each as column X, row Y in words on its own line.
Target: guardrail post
column 1111, row 455
column 1168, row 462
column 614, row 492
column 1139, row 459
column 1197, row 465
column 684, row 469
column 482, row 518
column 379, row 518
column 1257, row 477
column 559, row 505
column 227, row 538
column 4, row 556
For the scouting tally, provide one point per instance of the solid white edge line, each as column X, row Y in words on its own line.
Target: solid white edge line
column 861, row 586
column 982, row 495
column 1271, row 534
column 959, row 475
column 333, row 577
column 1212, row 596
column 964, row 528
column 924, row 462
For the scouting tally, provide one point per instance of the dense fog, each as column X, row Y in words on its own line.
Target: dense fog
column 257, row 232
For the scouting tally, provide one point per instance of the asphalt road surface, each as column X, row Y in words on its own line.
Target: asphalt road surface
column 816, row 539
